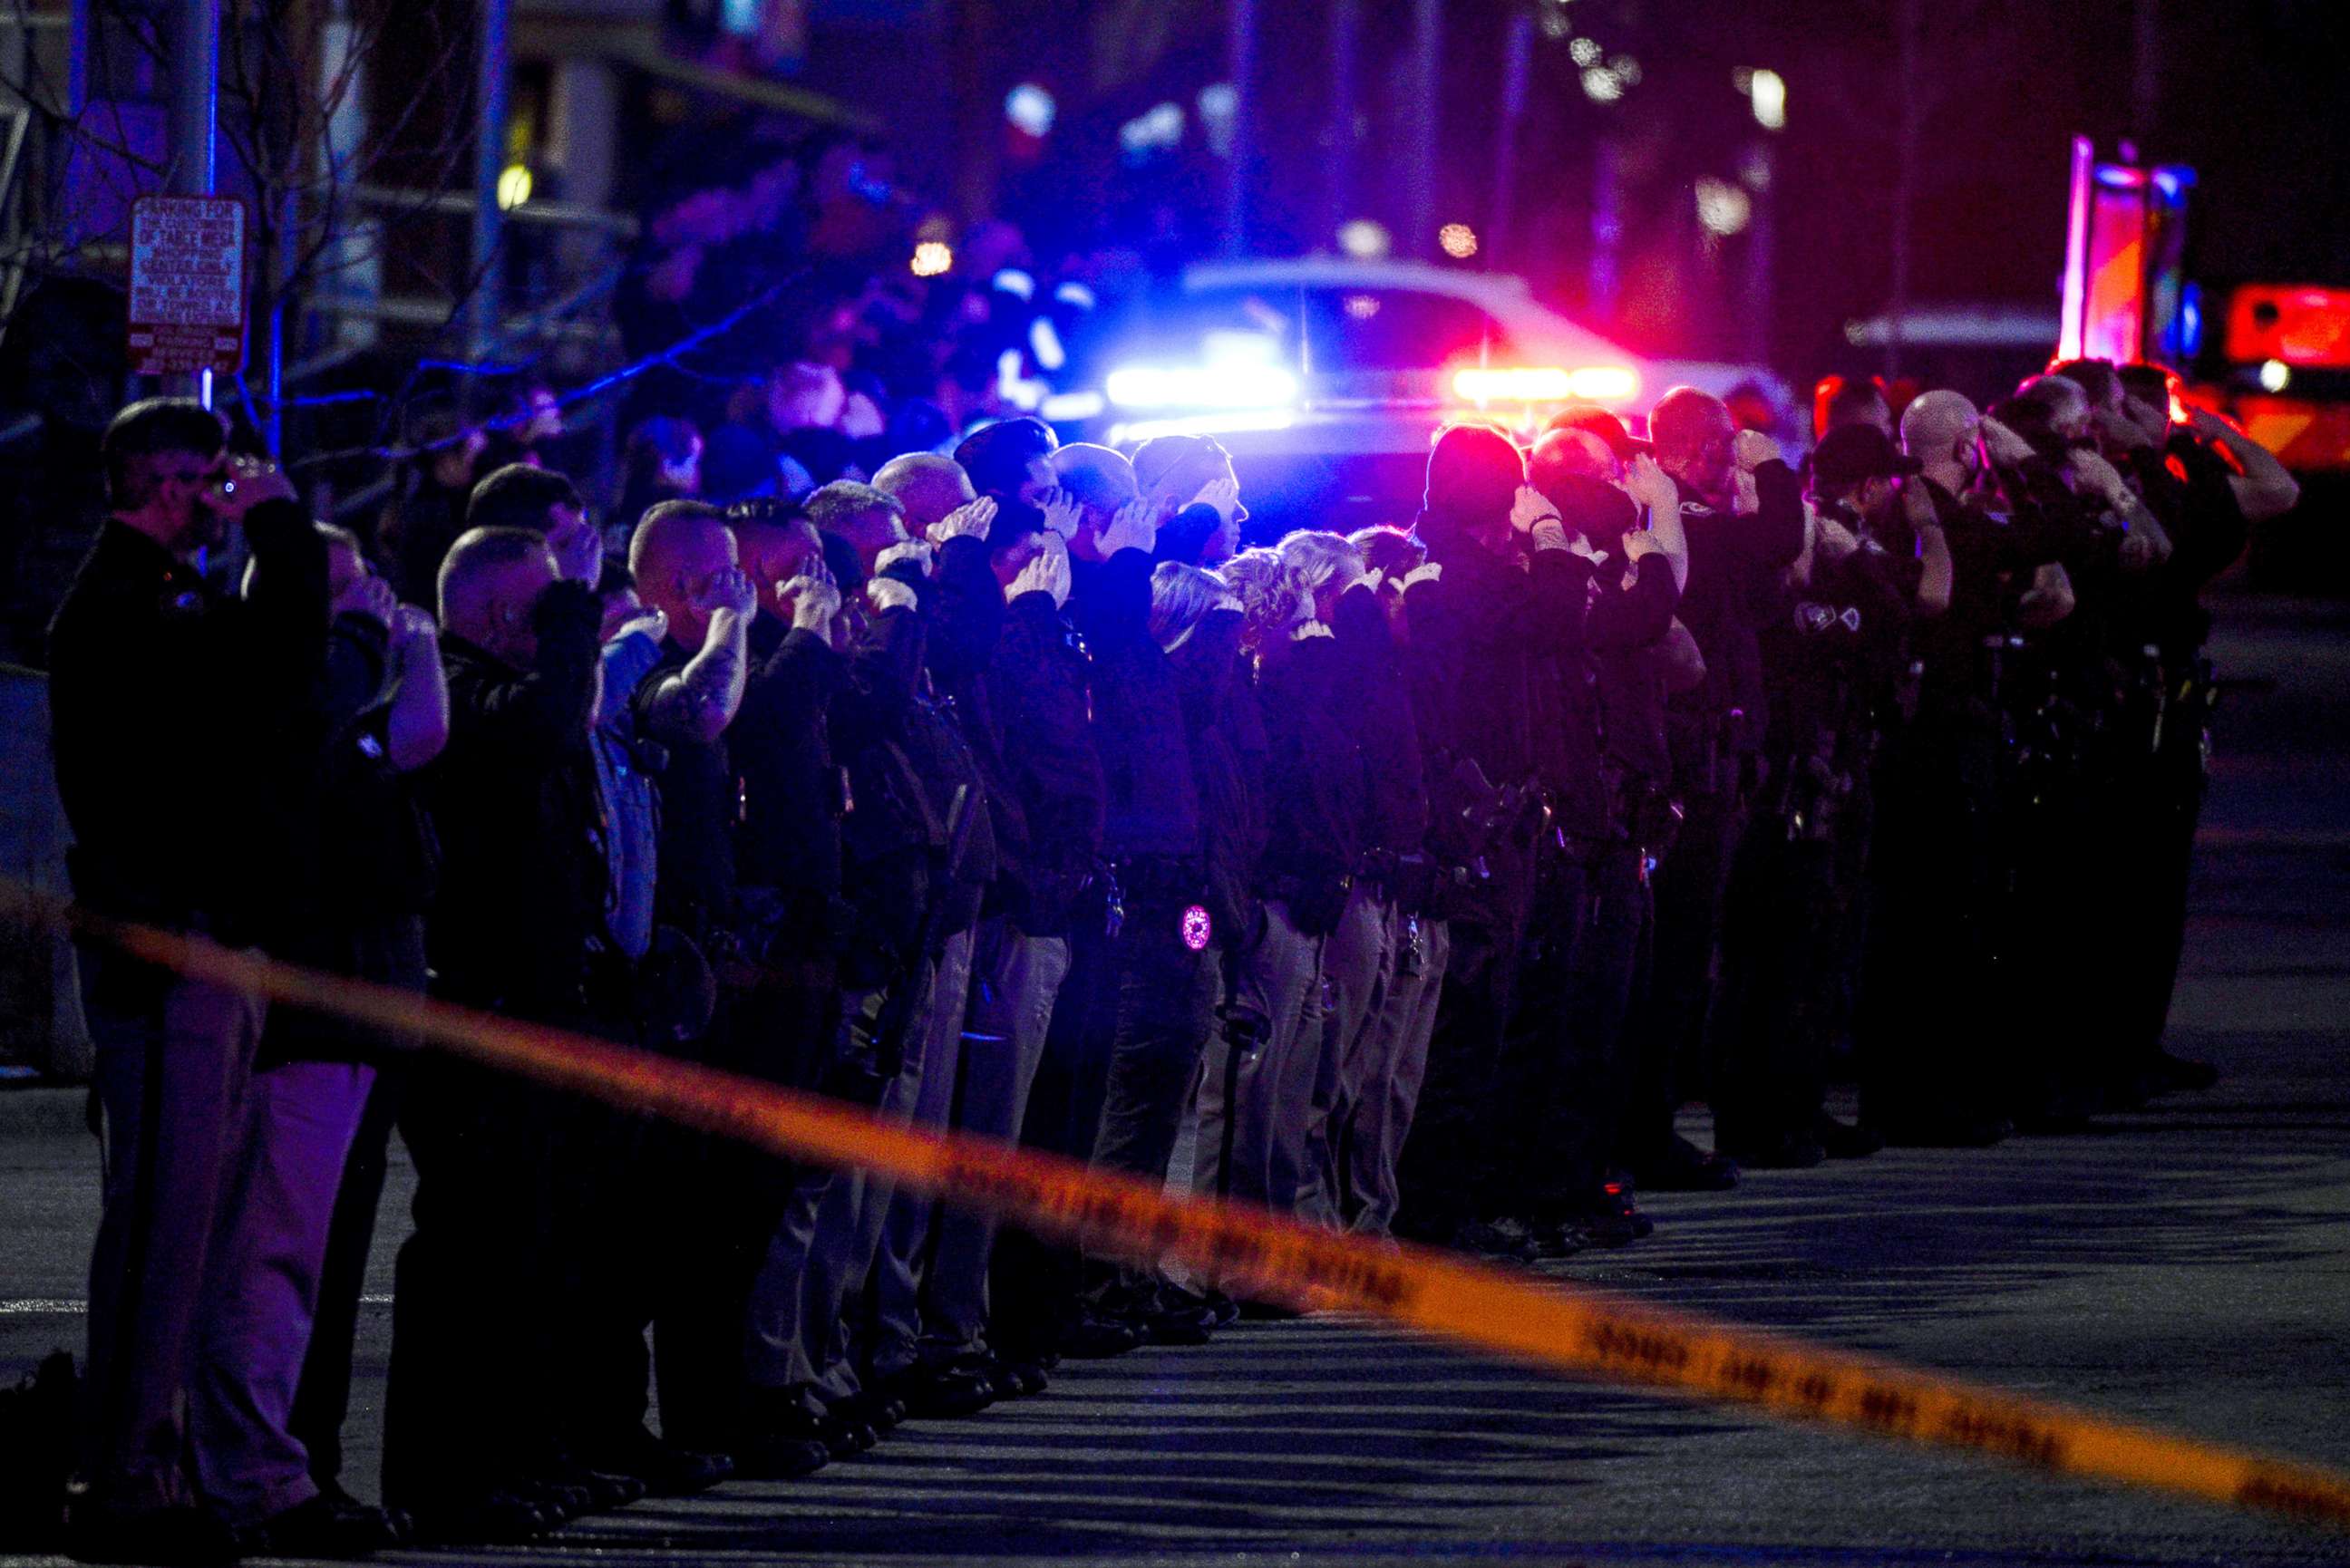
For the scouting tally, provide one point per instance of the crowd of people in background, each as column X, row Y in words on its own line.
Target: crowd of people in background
column 1413, row 882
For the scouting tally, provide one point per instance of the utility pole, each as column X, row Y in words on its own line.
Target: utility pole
column 1904, row 184
column 1240, row 45
column 1516, row 64
column 489, row 163
column 195, row 116
column 1761, row 244
column 1603, row 262
column 1345, row 36
column 1419, row 154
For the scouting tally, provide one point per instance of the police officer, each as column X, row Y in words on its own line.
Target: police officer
column 1714, row 729
column 151, row 667
column 795, row 927
column 1486, row 632
column 1828, row 664
column 518, row 927
column 1931, row 1076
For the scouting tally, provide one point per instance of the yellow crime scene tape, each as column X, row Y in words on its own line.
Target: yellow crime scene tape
column 1270, row 1255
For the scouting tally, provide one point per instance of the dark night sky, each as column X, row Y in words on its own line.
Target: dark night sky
column 2252, row 95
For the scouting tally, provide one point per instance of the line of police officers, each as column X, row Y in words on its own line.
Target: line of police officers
column 1004, row 794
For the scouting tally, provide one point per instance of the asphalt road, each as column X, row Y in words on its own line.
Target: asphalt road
column 2189, row 1266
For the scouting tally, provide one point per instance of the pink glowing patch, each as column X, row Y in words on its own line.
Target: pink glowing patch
column 1197, row 928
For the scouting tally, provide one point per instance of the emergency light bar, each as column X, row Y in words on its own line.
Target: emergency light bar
column 1591, row 384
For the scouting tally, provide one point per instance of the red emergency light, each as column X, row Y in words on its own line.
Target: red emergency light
column 2302, row 325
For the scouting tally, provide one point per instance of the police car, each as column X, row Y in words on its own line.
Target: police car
column 1326, row 378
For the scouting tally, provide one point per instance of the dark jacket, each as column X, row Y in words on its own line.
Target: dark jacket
column 788, row 837
column 1318, row 788
column 1230, row 751
column 1623, row 630
column 1734, row 583
column 187, row 726
column 906, row 763
column 518, row 920
column 375, row 858
column 693, row 885
column 1375, row 699
column 1151, row 799
column 2198, row 509
column 1827, row 656
column 1490, row 642
column 964, row 607
column 1993, row 556
column 1039, row 677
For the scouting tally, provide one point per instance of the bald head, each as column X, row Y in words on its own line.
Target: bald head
column 1933, row 427
column 1569, row 453
column 1691, row 430
column 489, row 582
column 926, row 485
column 676, row 550
column 1171, row 469
column 1101, row 479
column 2067, row 402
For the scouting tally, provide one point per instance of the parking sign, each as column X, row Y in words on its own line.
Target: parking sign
column 187, row 286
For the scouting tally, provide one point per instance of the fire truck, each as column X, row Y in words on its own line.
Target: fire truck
column 2274, row 357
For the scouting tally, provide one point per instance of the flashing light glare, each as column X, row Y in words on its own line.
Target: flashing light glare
column 1198, row 929
column 1077, row 294
column 1364, row 240
column 1767, row 90
column 1601, row 85
column 1160, row 126
column 1014, row 281
column 1229, row 351
column 1605, row 383
column 1458, row 241
column 1219, row 101
column 1626, row 69
column 1362, row 306
column 2190, row 320
column 1530, row 385
column 1030, row 108
column 1547, row 384
column 2275, row 375
column 1069, row 408
column 1045, row 342
column 1555, row 23
column 1584, row 51
column 1136, row 432
column 1722, row 208
column 514, row 186
column 932, row 258
column 1228, row 386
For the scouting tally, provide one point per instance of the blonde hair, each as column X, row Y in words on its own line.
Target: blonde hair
column 1269, row 592
column 1180, row 596
column 1318, row 559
